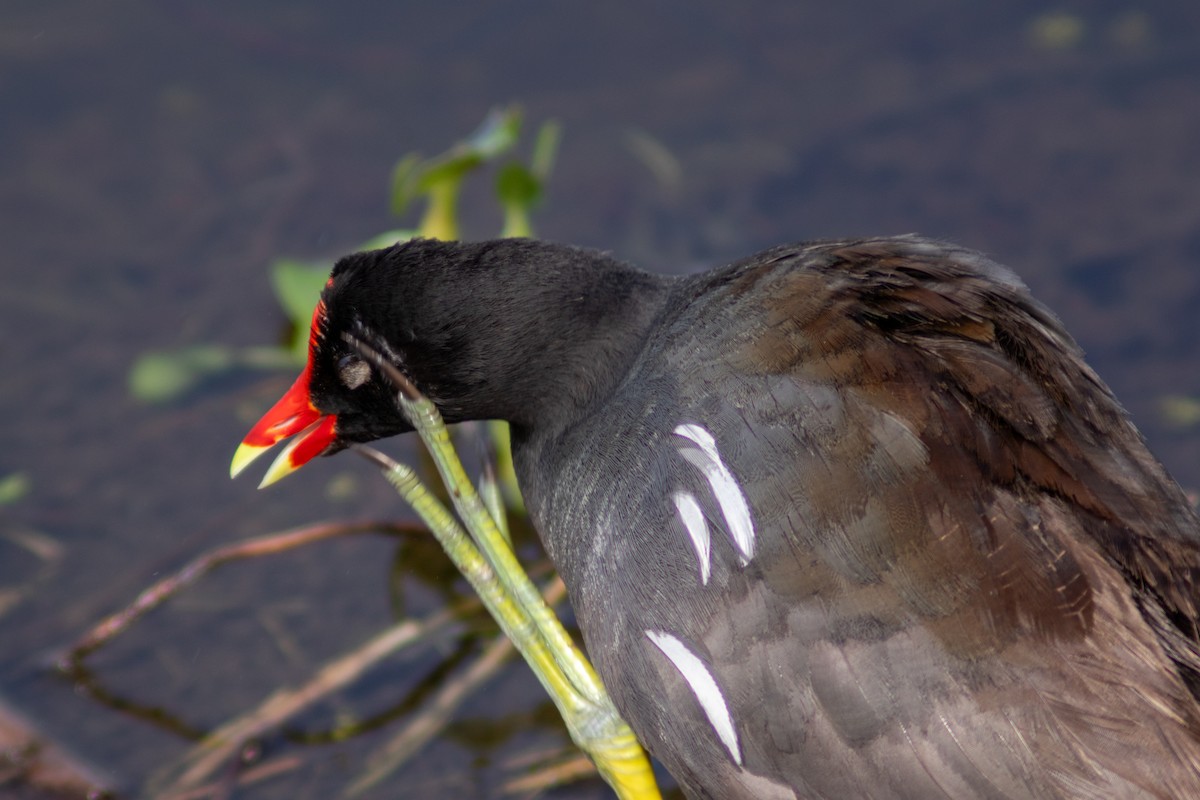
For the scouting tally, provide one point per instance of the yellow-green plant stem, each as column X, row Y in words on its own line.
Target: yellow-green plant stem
column 592, row 720
column 516, row 221
column 426, row 419
column 493, row 498
column 506, row 471
column 441, row 215
column 512, row 598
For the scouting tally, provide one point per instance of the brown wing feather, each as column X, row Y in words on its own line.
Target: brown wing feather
column 971, row 577
column 1038, row 539
column 1010, row 414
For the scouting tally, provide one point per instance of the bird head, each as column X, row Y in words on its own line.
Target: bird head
column 339, row 398
column 514, row 329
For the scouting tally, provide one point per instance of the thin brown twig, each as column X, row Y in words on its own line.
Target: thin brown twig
column 574, row 768
column 223, row 744
column 154, row 596
column 430, row 722
column 247, row 777
column 441, row 707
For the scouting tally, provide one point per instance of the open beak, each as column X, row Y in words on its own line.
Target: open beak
column 293, row 415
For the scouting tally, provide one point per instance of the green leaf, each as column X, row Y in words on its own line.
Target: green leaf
column 518, row 190
column 297, row 286
column 498, row 133
column 405, row 175
column 13, row 487
column 516, row 184
column 1180, row 410
column 545, row 149
column 157, row 377
column 441, row 175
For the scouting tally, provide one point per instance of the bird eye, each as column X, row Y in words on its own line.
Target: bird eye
column 353, row 371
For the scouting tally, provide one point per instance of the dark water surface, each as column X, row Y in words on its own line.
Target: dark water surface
column 155, row 157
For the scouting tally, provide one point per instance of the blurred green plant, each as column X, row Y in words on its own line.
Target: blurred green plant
column 13, row 487
column 480, row 547
column 161, row 376
column 1180, row 411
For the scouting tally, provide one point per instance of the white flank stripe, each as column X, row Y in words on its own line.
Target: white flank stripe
column 703, row 686
column 697, row 528
column 725, row 487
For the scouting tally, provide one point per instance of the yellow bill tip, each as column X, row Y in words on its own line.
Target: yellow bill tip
column 283, row 465
column 245, row 455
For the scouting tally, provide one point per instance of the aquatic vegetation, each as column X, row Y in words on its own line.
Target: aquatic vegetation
column 160, row 376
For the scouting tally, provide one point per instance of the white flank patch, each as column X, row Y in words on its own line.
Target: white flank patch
column 697, row 528
column 725, row 487
column 704, row 686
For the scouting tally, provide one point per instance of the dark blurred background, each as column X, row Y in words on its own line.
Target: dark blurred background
column 155, row 157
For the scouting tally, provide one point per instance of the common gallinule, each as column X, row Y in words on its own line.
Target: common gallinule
column 846, row 519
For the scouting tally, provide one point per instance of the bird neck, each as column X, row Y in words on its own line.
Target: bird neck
column 550, row 330
column 570, row 354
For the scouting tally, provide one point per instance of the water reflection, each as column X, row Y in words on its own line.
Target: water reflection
column 155, row 159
